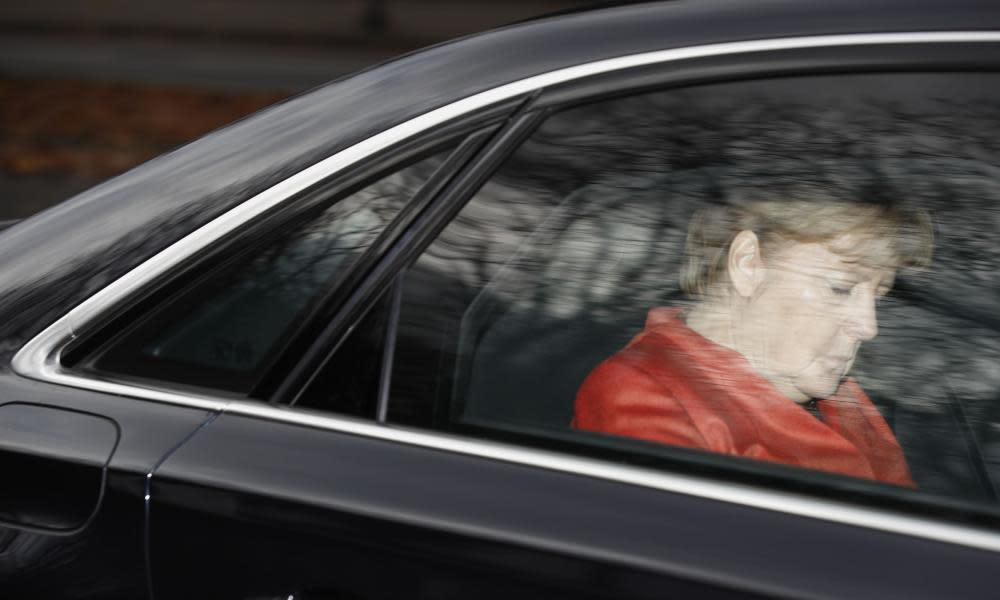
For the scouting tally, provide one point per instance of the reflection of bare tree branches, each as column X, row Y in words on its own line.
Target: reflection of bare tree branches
column 587, row 221
column 237, row 317
column 35, row 304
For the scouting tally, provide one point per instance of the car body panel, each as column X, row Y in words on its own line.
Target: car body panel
column 267, row 509
column 105, row 558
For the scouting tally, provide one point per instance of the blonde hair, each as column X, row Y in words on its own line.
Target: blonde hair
column 884, row 235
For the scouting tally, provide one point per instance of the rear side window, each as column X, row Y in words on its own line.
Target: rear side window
column 221, row 331
column 794, row 276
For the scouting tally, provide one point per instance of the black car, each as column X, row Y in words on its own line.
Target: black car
column 332, row 350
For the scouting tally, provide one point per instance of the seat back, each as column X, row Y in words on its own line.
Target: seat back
column 575, row 292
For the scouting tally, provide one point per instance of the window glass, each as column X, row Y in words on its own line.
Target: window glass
column 793, row 272
column 349, row 384
column 221, row 331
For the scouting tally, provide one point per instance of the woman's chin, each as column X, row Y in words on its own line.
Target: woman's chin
column 821, row 387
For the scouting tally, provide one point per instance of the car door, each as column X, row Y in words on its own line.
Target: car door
column 412, row 436
column 73, row 512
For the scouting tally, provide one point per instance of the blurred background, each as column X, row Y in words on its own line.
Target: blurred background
column 91, row 88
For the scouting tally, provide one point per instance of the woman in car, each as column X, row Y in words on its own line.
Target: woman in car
column 786, row 293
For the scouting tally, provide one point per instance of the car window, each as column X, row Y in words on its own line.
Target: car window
column 793, row 276
column 221, row 331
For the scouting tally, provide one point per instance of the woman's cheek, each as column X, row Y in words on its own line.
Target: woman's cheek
column 807, row 331
column 812, row 294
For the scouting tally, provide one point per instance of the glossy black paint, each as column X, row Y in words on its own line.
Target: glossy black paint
column 887, row 58
column 43, row 447
column 249, row 508
column 317, row 510
column 105, row 558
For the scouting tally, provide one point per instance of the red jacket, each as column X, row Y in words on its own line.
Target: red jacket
column 673, row 386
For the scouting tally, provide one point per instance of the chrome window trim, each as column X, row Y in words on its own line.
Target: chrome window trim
column 40, row 357
column 734, row 493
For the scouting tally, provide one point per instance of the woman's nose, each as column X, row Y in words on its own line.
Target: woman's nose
column 862, row 322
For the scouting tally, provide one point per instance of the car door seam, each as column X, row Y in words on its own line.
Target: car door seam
column 147, row 497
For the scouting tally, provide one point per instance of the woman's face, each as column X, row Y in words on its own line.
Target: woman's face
column 802, row 327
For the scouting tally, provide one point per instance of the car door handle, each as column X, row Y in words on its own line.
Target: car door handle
column 53, row 462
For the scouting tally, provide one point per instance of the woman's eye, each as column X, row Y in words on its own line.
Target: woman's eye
column 840, row 290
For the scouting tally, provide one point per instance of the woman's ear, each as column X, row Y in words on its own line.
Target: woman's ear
column 744, row 266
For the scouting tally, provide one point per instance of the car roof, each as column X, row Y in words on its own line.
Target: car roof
column 106, row 230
